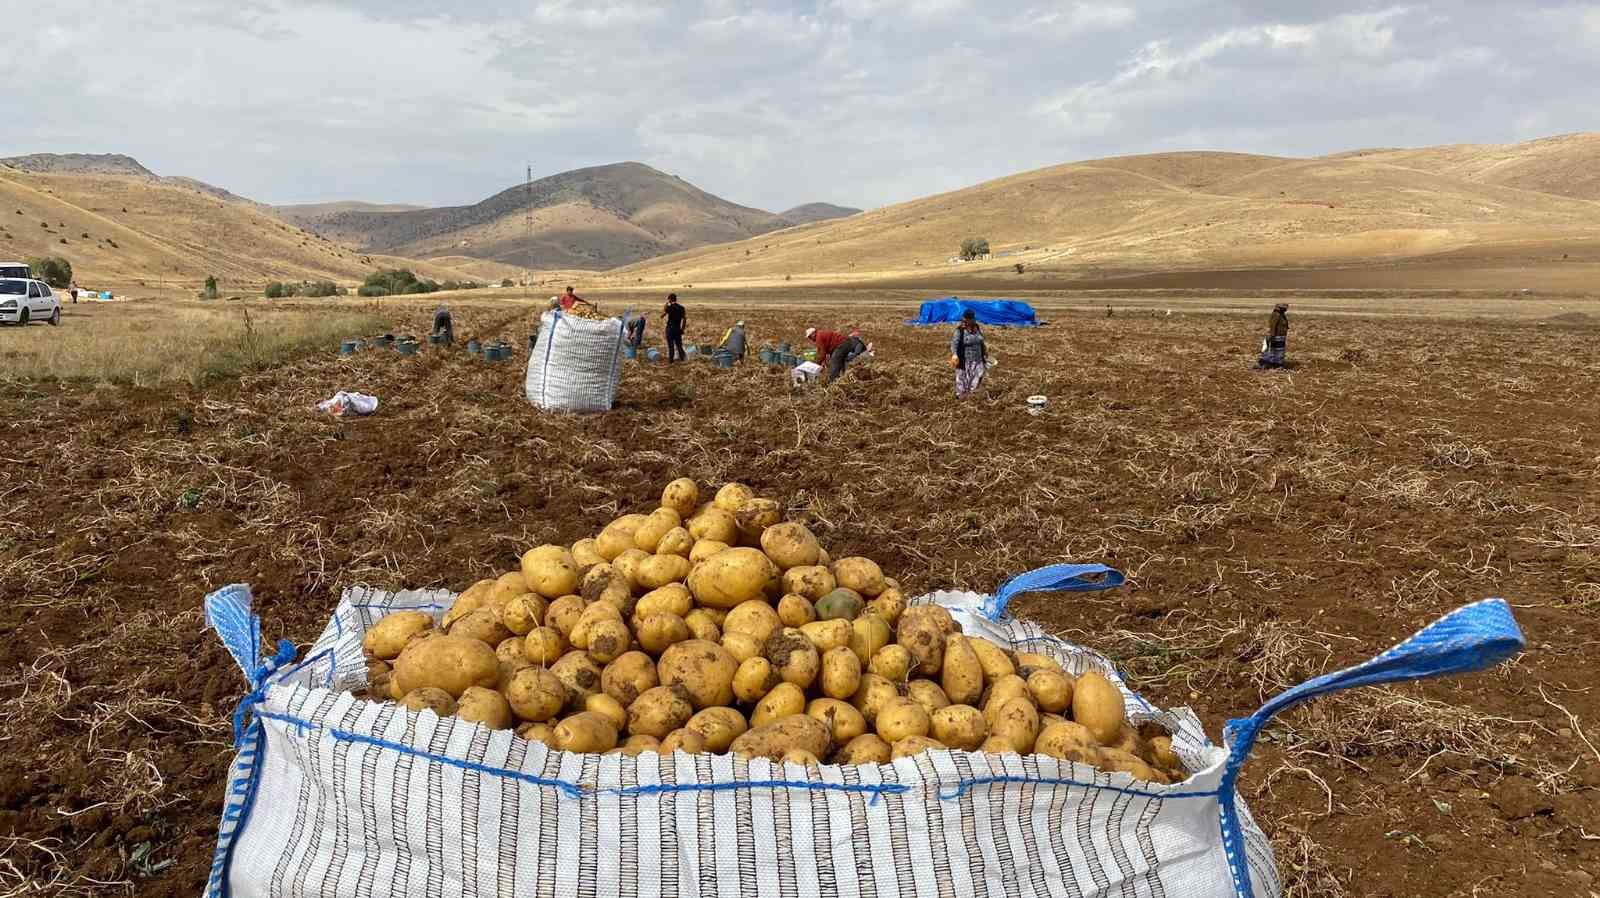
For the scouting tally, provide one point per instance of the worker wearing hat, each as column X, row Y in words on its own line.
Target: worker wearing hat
column 1276, row 345
column 733, row 340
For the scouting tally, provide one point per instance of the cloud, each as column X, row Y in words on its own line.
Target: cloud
column 859, row 102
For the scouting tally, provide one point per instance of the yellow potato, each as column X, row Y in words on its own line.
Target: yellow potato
column 389, row 636
column 728, row 578
column 536, row 694
column 868, row 748
column 638, row 745
column 510, row 650
column 482, row 625
column 754, row 517
column 608, row 640
column 1068, row 741
column 872, row 695
column 580, row 674
column 844, row 721
column 628, row 677
column 607, row 707
column 480, row 704
column 1165, row 758
column 754, row 679
column 795, row 610
column 659, row 711
column 682, row 496
column 1129, row 740
column 683, row 739
column 860, row 574
column 617, row 537
column 755, row 618
column 960, row 674
column 997, row 745
column 703, row 669
column 506, row 587
column 702, row 624
column 732, row 497
column 784, row 700
column 676, row 541
column 705, row 548
column 1097, row 704
column 563, row 615
column 718, row 727
column 508, row 669
column 868, row 634
column 795, row 657
column 828, row 635
column 451, row 663
column 378, row 675
column 892, row 662
column 841, row 673
column 1118, row 761
column 996, row 662
column 1052, row 690
column 800, row 756
column 959, row 726
column 1002, row 690
column 927, row 694
column 543, row 645
column 716, row 525
column 673, row 598
column 889, row 605
column 915, row 745
column 1017, row 721
column 471, row 599
column 923, row 630
column 433, row 699
column 586, row 555
column 550, row 571
column 742, row 646
column 522, row 613
column 790, row 545
column 809, row 581
column 773, row 740
column 585, row 732
column 592, row 615
column 537, row 732
column 660, row 631
column 657, row 571
column 627, row 565
column 596, row 579
column 656, row 525
column 902, row 717
column 1028, row 662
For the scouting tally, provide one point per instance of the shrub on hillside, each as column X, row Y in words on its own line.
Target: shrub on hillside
column 320, row 288
column 274, row 290
column 508, row 283
column 53, row 270
column 372, row 290
column 973, row 247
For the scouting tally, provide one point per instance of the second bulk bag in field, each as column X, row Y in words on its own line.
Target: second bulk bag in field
column 576, row 364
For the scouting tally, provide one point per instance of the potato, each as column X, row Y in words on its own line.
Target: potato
column 795, row 610
column 1115, row 760
column 715, row 524
column 860, row 574
column 810, row 581
column 889, row 605
column 1097, row 704
column 841, row 673
column 596, row 579
column 868, row 748
column 536, row 694
column 1028, row 662
column 927, row 694
column 627, row 565
column 629, row 676
column 997, row 745
column 732, row 497
column 657, row 571
column 702, row 668
column 742, row 646
column 395, row 692
column 389, row 636
column 915, row 745
column 659, row 711
column 1068, row 741
column 480, row 704
column 1002, row 690
column 482, row 625
column 676, row 541
column 451, row 663
column 537, row 732
column 638, row 745
column 784, row 699
column 960, row 673
column 585, row 555
column 682, row 496
column 795, row 657
column 608, row 640
column 1052, row 690
column 728, row 578
column 656, row 525
column 659, row 631
column 379, row 674
column 506, row 587
column 844, row 721
column 873, row 693
column 840, row 604
column 754, row 517
column 893, row 663
column 510, row 650
column 755, row 618
column 522, row 613
column 683, row 739
column 436, row 700
column 1129, row 740
column 543, row 645
column 617, row 537
column 550, row 571
column 828, row 635
column 580, row 674
column 923, row 629
column 592, row 615
column 563, row 615
column 607, row 707
column 902, row 717
column 705, row 548
column 717, row 616
column 718, row 727
column 994, row 660
column 1163, row 755
column 508, row 669
column 959, row 726
column 471, row 599
column 702, row 624
column 868, row 634
column 801, row 757
column 772, row 740
column 1017, row 721
column 755, row 678
column 585, row 732
column 674, row 598
column 790, row 545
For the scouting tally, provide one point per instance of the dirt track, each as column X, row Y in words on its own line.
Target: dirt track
column 1272, row 524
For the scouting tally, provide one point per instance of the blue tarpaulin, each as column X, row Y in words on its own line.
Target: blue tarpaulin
column 999, row 312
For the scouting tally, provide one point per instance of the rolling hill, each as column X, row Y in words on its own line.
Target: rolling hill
column 811, row 212
column 1188, row 211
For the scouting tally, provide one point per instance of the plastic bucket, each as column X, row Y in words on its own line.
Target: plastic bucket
column 783, row 348
column 348, row 347
column 436, row 339
column 768, row 357
column 631, row 352
column 722, row 359
column 653, row 354
column 406, row 347
column 474, row 347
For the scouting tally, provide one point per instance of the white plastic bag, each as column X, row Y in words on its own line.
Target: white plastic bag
column 576, row 364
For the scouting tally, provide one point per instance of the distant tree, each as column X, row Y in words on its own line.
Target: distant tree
column 973, row 247
column 372, row 290
column 210, row 289
column 508, row 283
column 1020, row 267
column 53, row 270
column 320, row 288
column 274, row 290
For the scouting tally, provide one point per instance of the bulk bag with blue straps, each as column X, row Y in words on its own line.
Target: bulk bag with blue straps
column 576, row 363
column 332, row 795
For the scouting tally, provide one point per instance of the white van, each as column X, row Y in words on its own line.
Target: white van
column 16, row 270
column 23, row 300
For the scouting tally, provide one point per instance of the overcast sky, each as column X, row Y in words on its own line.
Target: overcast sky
column 857, row 102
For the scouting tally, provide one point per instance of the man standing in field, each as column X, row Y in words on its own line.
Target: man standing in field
column 1277, row 342
column 675, row 315
column 74, row 292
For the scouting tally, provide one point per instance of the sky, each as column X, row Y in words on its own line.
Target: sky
column 856, row 102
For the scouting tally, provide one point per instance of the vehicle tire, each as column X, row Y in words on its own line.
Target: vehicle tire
column 23, row 321
column 55, row 317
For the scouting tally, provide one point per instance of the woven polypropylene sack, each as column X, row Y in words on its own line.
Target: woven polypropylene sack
column 576, row 364
column 335, row 795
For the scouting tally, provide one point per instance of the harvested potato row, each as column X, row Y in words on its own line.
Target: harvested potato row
column 711, row 624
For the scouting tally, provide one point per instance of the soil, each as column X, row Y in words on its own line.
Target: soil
column 1273, row 524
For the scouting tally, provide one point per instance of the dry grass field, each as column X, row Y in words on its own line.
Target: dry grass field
column 1272, row 525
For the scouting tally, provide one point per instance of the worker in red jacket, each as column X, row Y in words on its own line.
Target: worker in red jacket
column 837, row 349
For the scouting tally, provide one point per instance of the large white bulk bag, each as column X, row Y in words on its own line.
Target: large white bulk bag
column 331, row 795
column 576, row 364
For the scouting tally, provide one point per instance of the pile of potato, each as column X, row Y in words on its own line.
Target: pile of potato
column 719, row 627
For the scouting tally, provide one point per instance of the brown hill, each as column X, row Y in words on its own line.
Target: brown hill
column 1563, row 166
column 811, row 212
column 1168, row 211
